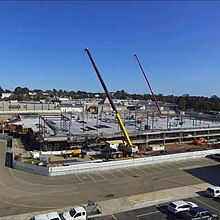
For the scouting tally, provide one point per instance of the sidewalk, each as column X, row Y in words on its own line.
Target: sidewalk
column 133, row 202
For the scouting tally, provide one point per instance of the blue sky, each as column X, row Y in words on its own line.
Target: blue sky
column 42, row 45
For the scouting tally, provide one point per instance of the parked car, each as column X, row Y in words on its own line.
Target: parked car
column 47, row 216
column 198, row 213
column 91, row 210
column 179, row 206
column 213, row 191
column 214, row 156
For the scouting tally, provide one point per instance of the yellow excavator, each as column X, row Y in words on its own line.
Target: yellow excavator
column 127, row 144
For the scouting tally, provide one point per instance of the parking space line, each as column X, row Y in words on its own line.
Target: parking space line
column 181, row 162
column 113, row 216
column 190, row 163
column 200, row 162
column 207, row 205
column 102, row 175
column 206, row 160
column 145, row 214
column 197, row 162
column 200, row 159
column 172, row 165
column 112, row 174
column 79, row 178
column 108, row 175
column 138, row 168
column 166, row 211
column 167, row 167
column 184, row 164
column 143, row 168
column 210, row 162
column 194, row 161
column 147, row 166
column 91, row 177
column 122, row 173
column 157, row 167
column 131, row 171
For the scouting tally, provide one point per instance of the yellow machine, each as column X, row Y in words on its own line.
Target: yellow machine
column 73, row 153
column 128, row 146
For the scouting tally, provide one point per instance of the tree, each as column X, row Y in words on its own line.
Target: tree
column 1, row 90
column 19, row 90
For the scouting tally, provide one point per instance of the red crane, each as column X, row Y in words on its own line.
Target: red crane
column 154, row 96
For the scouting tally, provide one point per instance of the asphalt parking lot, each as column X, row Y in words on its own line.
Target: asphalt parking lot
column 160, row 212
column 24, row 193
column 140, row 170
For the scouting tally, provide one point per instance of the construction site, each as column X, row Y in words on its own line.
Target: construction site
column 108, row 130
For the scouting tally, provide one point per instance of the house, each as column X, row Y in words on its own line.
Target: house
column 6, row 95
column 32, row 94
column 106, row 106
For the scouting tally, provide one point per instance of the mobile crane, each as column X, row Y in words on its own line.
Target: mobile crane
column 154, row 96
column 127, row 146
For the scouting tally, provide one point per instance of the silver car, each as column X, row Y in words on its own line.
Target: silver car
column 180, row 206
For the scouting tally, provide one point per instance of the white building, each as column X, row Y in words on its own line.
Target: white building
column 63, row 99
column 6, row 95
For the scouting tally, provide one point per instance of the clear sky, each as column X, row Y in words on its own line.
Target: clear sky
column 178, row 42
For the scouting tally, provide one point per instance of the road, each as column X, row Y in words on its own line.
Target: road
column 160, row 212
column 25, row 192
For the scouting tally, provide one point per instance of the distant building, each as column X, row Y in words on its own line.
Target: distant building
column 6, row 95
column 63, row 99
column 32, row 93
column 106, row 106
column 68, row 108
column 78, row 108
column 96, row 95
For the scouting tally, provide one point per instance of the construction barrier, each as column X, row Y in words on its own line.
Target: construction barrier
column 9, row 159
column 99, row 166
column 30, row 168
column 88, row 167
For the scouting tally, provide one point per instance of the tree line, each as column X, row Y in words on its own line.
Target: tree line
column 184, row 102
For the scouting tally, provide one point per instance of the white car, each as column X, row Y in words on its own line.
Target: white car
column 180, row 206
column 47, row 216
column 213, row 191
column 76, row 213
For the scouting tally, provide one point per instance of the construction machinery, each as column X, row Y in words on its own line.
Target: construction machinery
column 148, row 83
column 77, row 152
column 127, row 146
column 200, row 141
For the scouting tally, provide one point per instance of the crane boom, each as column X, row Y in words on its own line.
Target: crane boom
column 118, row 117
column 154, row 96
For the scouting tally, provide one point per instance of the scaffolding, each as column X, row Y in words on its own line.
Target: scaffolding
column 58, row 124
